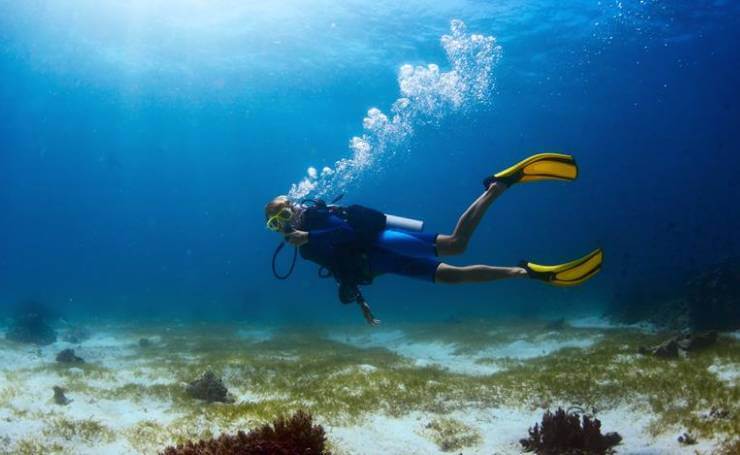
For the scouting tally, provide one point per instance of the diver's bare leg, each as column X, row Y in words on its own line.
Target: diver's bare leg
column 450, row 274
column 457, row 242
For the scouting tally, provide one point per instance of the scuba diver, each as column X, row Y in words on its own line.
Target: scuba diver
column 356, row 244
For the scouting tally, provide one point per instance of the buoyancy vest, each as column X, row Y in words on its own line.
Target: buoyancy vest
column 346, row 262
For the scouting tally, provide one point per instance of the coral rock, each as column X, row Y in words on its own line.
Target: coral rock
column 663, row 306
column 714, row 297
column 716, row 413
column 687, row 439
column 209, row 388
column 59, row 397
column 696, row 341
column 558, row 324
column 31, row 328
column 562, row 433
column 68, row 356
column 681, row 345
column 666, row 350
column 294, row 436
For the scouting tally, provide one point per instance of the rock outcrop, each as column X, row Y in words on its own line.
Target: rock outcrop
column 31, row 328
column 69, row 356
column 59, row 397
column 681, row 345
column 714, row 297
column 210, row 388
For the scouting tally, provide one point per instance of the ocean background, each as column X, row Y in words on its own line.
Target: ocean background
column 140, row 140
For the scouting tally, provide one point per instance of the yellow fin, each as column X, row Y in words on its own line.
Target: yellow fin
column 570, row 273
column 543, row 166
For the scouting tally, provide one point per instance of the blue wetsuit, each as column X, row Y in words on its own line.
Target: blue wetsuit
column 411, row 254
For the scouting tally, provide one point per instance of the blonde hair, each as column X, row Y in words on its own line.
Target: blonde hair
column 276, row 205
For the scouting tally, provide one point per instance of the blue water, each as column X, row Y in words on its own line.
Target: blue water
column 140, row 140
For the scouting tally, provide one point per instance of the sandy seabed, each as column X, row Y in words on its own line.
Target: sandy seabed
column 471, row 387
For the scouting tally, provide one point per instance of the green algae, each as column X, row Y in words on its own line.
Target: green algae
column 89, row 370
column 138, row 393
column 148, row 436
column 33, row 447
column 342, row 383
column 470, row 337
column 87, row 430
column 7, row 393
column 451, row 435
column 675, row 391
column 730, row 446
column 466, row 338
column 75, row 377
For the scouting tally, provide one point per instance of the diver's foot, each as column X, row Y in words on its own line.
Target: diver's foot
column 496, row 186
column 528, row 272
column 491, row 180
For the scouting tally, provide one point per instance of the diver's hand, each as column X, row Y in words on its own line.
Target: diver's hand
column 369, row 315
column 297, row 238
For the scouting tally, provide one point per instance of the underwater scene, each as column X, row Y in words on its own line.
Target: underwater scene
column 352, row 227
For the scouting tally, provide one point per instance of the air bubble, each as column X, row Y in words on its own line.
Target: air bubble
column 428, row 94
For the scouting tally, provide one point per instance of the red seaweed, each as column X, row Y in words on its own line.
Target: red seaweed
column 296, row 435
column 563, row 434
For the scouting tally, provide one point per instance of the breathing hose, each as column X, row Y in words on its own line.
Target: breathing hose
column 274, row 261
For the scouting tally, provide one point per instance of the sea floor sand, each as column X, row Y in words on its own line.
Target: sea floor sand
column 386, row 390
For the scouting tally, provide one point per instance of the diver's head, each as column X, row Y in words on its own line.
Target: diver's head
column 278, row 214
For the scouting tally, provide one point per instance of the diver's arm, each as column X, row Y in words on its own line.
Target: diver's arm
column 366, row 312
column 334, row 235
column 330, row 236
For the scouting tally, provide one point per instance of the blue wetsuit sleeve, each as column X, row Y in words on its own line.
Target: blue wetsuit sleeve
column 339, row 232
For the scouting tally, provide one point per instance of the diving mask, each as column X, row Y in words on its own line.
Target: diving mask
column 277, row 222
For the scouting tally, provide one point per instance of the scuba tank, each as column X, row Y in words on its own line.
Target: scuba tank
column 405, row 224
column 360, row 217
